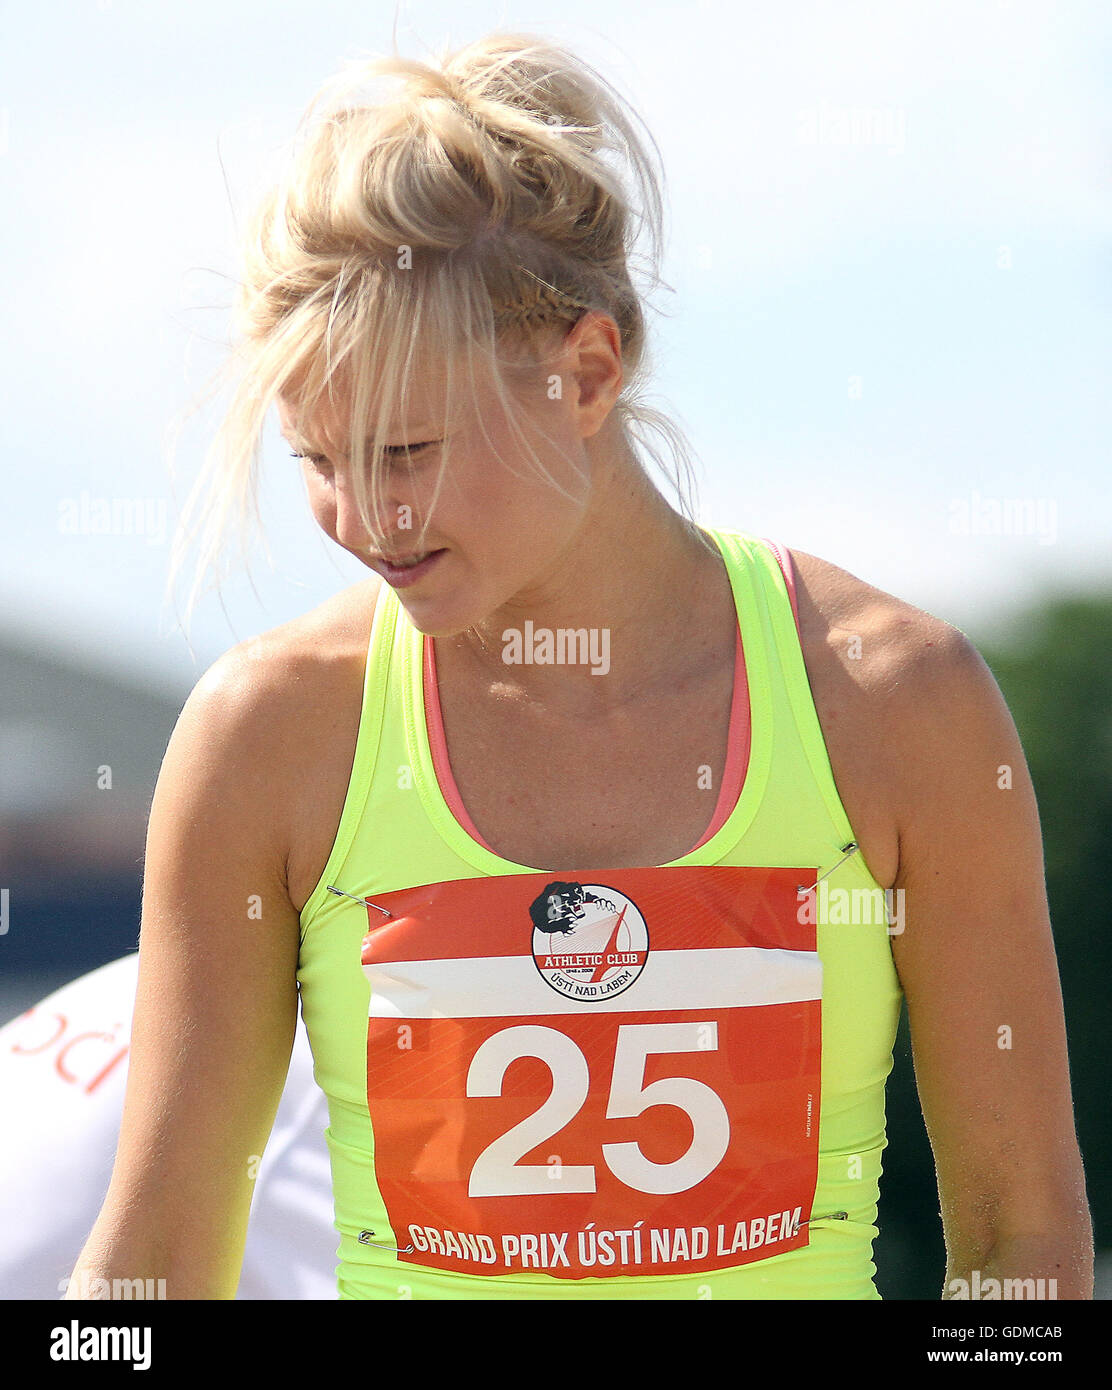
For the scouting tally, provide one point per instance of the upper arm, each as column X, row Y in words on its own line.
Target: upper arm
column 215, row 1007
column 976, row 958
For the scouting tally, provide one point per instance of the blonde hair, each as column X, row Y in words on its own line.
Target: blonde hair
column 462, row 221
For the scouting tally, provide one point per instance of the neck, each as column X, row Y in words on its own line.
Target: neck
column 648, row 587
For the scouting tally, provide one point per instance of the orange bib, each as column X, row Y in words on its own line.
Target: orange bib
column 612, row 1075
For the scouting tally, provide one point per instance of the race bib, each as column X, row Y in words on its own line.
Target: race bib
column 612, row 1075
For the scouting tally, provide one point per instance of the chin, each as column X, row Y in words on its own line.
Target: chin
column 429, row 618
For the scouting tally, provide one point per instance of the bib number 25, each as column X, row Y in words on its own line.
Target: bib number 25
column 497, row 1172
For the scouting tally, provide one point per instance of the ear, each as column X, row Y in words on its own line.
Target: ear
column 594, row 349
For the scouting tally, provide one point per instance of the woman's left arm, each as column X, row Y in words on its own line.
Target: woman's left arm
column 977, row 964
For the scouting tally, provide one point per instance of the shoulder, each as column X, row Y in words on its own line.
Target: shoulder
column 273, row 721
column 912, row 669
column 878, row 640
column 281, row 671
column 909, row 709
column 271, row 665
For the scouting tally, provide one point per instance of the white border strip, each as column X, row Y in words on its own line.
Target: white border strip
column 512, row 987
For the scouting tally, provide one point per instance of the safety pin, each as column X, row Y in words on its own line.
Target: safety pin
column 366, row 901
column 363, row 1238
column 847, row 850
column 833, row 1216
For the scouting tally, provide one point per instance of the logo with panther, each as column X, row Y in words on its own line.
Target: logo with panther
column 590, row 942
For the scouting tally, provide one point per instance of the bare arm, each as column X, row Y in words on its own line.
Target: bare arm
column 979, row 972
column 215, row 1008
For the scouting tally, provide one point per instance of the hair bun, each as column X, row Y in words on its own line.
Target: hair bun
column 437, row 84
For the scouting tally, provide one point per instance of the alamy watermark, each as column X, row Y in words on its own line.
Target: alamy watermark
column 87, row 1287
column 991, row 1288
column 835, row 907
column 1004, row 516
column 883, row 126
column 78, row 1343
column 562, row 646
column 113, row 516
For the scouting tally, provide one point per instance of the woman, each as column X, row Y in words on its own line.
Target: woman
column 600, row 845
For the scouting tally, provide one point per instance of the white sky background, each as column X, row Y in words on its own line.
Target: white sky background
column 954, row 258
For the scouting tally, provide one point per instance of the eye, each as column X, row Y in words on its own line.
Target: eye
column 391, row 451
column 397, row 451
column 317, row 460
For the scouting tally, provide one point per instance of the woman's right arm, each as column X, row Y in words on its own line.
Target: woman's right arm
column 216, row 1004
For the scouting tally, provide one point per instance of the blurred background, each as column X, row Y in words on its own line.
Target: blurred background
column 886, row 336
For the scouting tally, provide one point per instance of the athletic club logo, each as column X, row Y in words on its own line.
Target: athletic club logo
column 589, row 941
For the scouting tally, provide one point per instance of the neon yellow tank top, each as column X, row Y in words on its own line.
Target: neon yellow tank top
column 660, row 1082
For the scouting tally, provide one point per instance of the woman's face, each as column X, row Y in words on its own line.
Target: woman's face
column 504, row 531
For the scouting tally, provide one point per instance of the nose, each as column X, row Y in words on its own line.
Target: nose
column 351, row 533
column 393, row 517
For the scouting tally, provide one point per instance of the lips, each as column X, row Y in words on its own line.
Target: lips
column 405, row 570
column 414, row 557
